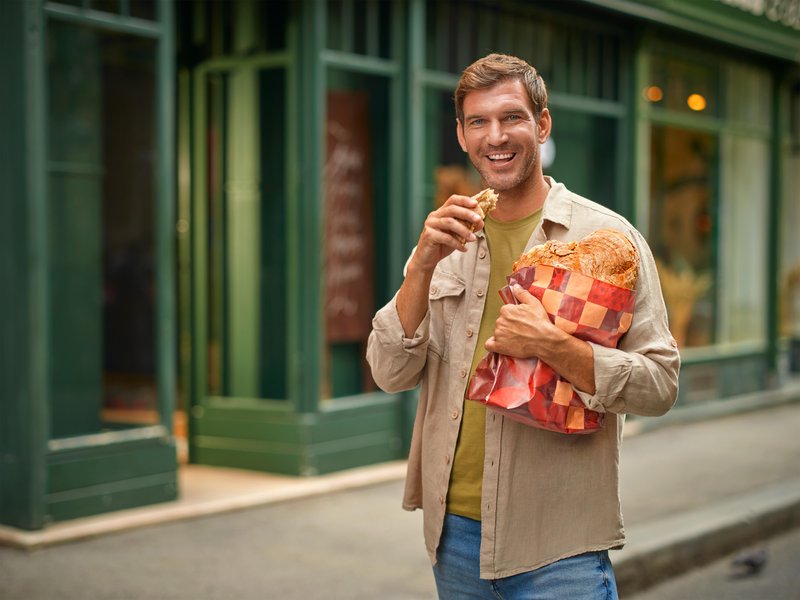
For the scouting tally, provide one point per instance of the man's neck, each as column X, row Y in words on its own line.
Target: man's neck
column 521, row 201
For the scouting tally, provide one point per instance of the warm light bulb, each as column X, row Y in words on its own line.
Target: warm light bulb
column 653, row 93
column 696, row 102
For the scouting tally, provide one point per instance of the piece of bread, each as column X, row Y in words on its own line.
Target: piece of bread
column 487, row 202
column 605, row 254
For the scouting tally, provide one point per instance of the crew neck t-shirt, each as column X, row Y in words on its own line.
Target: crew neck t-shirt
column 506, row 241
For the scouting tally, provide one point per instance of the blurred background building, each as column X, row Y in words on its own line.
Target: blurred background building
column 203, row 202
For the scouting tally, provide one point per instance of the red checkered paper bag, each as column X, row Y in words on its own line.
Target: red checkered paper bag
column 528, row 390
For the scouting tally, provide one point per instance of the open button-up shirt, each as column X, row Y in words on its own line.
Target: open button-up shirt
column 545, row 495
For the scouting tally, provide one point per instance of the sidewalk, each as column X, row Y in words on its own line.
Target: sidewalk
column 690, row 493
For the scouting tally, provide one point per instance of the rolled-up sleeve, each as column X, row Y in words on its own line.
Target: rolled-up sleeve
column 641, row 375
column 397, row 362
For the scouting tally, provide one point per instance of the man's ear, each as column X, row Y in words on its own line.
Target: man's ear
column 460, row 134
column 545, row 124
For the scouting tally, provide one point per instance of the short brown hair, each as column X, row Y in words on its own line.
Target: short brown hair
column 496, row 68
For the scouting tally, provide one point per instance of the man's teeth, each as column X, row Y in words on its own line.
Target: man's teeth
column 501, row 156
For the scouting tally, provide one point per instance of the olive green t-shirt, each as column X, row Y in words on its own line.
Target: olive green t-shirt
column 506, row 242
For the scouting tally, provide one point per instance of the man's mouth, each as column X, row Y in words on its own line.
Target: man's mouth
column 500, row 157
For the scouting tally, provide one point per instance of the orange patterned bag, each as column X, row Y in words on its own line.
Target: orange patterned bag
column 528, row 390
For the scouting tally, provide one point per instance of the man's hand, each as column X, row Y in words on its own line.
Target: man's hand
column 446, row 229
column 524, row 330
column 521, row 328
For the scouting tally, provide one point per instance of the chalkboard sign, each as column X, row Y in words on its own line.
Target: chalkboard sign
column 348, row 219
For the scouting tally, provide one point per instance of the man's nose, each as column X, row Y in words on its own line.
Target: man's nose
column 497, row 135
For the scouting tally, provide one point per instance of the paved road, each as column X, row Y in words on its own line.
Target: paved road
column 779, row 580
column 359, row 544
column 348, row 545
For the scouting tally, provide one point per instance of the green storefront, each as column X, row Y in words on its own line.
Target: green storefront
column 204, row 203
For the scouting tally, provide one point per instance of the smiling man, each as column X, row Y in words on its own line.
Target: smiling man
column 511, row 511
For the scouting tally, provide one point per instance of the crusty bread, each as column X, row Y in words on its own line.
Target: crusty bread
column 487, row 202
column 605, row 254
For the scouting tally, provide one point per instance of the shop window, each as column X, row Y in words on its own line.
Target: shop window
column 743, row 226
column 683, row 86
column 682, row 229
column 101, row 168
column 356, row 186
column 245, row 195
column 447, row 167
column 577, row 155
column 709, row 197
column 789, row 279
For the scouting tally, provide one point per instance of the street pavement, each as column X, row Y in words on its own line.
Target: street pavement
column 691, row 493
column 778, row 579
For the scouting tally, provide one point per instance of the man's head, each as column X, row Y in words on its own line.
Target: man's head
column 502, row 121
column 496, row 68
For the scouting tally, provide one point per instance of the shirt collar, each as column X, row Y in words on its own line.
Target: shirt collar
column 557, row 205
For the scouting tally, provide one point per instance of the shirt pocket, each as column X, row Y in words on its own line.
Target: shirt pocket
column 445, row 299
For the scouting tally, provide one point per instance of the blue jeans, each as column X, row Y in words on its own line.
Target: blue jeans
column 457, row 572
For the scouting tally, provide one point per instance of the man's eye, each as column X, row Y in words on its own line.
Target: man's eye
column 512, row 118
column 476, row 122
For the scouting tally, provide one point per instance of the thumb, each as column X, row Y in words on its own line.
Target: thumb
column 523, row 295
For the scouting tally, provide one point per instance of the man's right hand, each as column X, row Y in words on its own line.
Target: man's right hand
column 446, row 229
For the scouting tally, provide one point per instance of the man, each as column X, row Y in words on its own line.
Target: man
column 509, row 510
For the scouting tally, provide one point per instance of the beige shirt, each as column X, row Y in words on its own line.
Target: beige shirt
column 545, row 495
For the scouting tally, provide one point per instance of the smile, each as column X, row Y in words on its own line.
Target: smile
column 500, row 156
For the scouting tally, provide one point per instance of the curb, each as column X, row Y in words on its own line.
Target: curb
column 287, row 489
column 673, row 545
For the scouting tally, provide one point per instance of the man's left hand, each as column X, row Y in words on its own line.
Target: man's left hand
column 521, row 327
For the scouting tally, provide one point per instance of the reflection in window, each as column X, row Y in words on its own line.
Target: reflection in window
column 682, row 227
column 102, row 198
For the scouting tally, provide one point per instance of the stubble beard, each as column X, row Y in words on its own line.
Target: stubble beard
column 500, row 184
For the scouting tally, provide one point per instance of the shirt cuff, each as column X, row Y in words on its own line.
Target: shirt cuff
column 612, row 368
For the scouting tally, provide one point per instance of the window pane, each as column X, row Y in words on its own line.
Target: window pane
column 749, row 96
column 682, row 229
column 744, row 200
column 683, row 86
column 101, row 164
column 447, row 168
column 789, row 281
column 581, row 154
column 356, row 184
column 245, row 252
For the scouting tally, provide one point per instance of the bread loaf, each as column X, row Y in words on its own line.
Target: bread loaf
column 605, row 254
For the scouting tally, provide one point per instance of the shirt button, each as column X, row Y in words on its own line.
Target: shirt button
column 447, row 459
column 454, row 414
column 469, row 332
column 479, row 293
column 441, row 499
column 482, row 253
column 463, row 373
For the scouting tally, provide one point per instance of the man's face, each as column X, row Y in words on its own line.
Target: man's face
column 501, row 134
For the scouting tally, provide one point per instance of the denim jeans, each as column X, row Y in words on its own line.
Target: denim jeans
column 586, row 576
